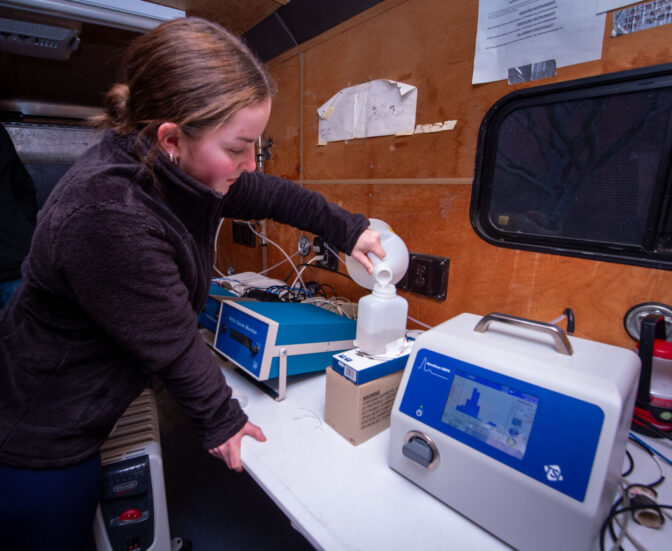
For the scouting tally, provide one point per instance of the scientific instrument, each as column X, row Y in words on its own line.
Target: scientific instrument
column 516, row 426
column 273, row 340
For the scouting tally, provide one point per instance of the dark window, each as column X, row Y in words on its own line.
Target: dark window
column 580, row 168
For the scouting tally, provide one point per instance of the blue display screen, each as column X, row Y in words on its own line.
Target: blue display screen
column 496, row 414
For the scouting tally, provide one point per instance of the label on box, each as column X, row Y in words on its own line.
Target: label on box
column 376, row 407
column 359, row 367
column 358, row 412
column 349, row 373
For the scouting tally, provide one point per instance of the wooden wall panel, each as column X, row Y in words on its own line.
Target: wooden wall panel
column 412, row 45
column 430, row 44
column 284, row 127
column 239, row 257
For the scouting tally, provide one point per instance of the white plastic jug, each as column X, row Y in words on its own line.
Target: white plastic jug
column 391, row 268
column 381, row 316
column 381, row 321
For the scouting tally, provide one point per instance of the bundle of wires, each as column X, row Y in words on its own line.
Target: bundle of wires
column 339, row 305
column 637, row 501
column 276, row 293
column 312, row 291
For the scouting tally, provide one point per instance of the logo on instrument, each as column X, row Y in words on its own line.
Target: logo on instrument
column 553, row 473
column 434, row 369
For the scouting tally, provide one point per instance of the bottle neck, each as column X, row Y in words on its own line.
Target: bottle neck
column 387, row 290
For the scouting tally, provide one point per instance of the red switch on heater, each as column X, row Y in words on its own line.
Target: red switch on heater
column 130, row 514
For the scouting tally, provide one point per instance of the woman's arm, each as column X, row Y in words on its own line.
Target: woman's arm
column 120, row 270
column 257, row 196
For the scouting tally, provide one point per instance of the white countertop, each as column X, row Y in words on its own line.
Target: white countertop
column 341, row 496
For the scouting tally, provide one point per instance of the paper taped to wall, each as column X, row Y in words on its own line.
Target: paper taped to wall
column 642, row 16
column 376, row 108
column 514, row 34
column 435, row 127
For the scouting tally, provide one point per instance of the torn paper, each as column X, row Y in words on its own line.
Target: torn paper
column 435, row 127
column 377, row 108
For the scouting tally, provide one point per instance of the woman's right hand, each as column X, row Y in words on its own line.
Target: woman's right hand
column 229, row 451
column 368, row 241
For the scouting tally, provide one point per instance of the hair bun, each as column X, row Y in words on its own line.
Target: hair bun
column 116, row 106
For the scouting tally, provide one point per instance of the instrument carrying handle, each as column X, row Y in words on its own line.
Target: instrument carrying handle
column 562, row 344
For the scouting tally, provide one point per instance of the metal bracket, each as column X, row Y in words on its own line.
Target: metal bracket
column 282, row 375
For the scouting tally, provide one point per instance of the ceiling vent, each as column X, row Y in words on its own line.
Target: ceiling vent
column 131, row 15
column 37, row 39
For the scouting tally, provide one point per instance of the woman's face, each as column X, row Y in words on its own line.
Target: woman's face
column 218, row 157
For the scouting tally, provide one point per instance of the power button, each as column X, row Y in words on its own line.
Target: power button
column 421, row 448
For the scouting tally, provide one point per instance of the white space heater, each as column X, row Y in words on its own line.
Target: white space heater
column 132, row 514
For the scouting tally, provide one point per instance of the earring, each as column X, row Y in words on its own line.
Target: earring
column 173, row 158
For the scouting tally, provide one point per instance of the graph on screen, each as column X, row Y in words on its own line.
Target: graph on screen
column 496, row 414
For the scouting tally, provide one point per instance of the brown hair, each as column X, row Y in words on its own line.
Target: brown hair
column 188, row 71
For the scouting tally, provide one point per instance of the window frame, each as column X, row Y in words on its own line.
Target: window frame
column 659, row 208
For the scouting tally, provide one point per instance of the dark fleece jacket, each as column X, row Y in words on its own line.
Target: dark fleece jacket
column 116, row 275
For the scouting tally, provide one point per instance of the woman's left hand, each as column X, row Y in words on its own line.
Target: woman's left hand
column 368, row 242
column 229, row 451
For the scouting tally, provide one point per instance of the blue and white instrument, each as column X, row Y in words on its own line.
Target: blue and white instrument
column 516, row 426
column 270, row 340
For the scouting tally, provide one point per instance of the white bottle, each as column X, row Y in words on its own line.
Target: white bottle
column 381, row 321
column 396, row 258
column 381, row 316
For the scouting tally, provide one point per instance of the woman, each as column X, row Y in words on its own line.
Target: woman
column 120, row 264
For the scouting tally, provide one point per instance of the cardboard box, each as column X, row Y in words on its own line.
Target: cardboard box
column 361, row 368
column 358, row 412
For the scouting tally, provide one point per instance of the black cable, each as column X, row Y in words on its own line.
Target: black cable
column 290, row 294
column 661, row 478
column 316, row 288
column 651, row 426
column 326, row 285
column 260, row 294
column 328, row 270
column 632, row 463
column 285, row 293
column 608, row 522
column 570, row 320
column 276, row 293
column 615, row 512
column 302, row 265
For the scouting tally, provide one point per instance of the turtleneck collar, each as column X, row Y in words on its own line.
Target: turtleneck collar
column 186, row 197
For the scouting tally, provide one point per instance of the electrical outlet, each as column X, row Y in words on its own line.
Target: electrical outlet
column 426, row 275
column 242, row 234
column 329, row 260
